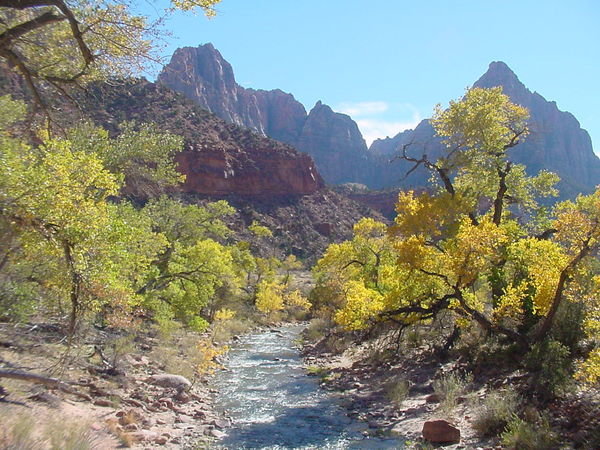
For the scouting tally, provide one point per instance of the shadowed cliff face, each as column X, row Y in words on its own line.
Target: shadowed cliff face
column 556, row 143
column 219, row 158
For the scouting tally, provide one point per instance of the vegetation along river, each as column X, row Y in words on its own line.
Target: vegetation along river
column 274, row 404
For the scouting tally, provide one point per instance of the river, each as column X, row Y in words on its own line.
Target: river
column 274, row 404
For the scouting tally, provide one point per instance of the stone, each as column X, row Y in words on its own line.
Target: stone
column 182, row 397
column 432, row 398
column 161, row 440
column 170, row 381
column 221, row 423
column 216, row 433
column 143, row 436
column 103, row 402
column 166, row 401
column 184, row 419
column 440, row 431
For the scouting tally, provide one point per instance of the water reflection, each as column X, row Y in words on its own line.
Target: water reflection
column 274, row 404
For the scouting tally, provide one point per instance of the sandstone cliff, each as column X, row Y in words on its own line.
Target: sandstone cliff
column 332, row 139
column 220, row 159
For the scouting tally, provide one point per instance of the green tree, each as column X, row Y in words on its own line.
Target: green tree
column 58, row 43
column 53, row 200
column 193, row 266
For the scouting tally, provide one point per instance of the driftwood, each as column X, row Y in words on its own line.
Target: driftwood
column 52, row 383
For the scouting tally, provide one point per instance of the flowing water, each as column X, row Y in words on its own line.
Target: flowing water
column 274, row 404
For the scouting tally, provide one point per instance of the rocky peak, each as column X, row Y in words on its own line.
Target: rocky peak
column 556, row 142
column 335, row 142
column 205, row 77
column 499, row 74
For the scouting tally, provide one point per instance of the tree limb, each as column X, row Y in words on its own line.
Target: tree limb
column 52, row 383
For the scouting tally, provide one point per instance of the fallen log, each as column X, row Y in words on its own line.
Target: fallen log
column 52, row 383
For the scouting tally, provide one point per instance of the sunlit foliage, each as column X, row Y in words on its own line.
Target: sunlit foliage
column 472, row 246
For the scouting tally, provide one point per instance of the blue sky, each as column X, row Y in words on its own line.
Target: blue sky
column 388, row 62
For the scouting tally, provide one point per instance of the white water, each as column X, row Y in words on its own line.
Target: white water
column 274, row 404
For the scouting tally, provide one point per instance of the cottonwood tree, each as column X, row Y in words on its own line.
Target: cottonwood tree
column 470, row 246
column 61, row 43
column 53, row 200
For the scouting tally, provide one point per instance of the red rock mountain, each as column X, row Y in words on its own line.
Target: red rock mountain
column 332, row 139
column 220, row 159
column 557, row 142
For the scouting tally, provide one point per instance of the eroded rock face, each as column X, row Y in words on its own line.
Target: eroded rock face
column 220, row 159
column 336, row 144
column 215, row 173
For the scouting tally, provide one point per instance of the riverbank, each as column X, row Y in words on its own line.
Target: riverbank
column 398, row 393
column 395, row 396
column 274, row 403
column 115, row 391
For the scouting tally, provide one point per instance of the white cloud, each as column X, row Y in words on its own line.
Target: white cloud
column 361, row 109
column 378, row 119
column 372, row 129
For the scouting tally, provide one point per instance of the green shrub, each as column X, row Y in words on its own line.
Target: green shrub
column 550, row 364
column 397, row 391
column 523, row 435
column 316, row 329
column 496, row 410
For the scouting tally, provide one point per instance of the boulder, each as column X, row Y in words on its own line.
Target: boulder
column 440, row 431
column 170, row 381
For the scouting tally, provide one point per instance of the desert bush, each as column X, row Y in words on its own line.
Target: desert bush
column 495, row 411
column 551, row 367
column 522, row 434
column 224, row 330
column 450, row 387
column 397, row 390
column 316, row 329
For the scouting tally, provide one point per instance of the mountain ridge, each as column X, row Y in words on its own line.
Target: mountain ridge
column 557, row 141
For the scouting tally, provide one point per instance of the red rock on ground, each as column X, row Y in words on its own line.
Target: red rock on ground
column 440, row 431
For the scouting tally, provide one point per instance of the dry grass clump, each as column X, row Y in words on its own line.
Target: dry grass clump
column 495, row 412
column 450, row 387
column 397, row 391
column 20, row 432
